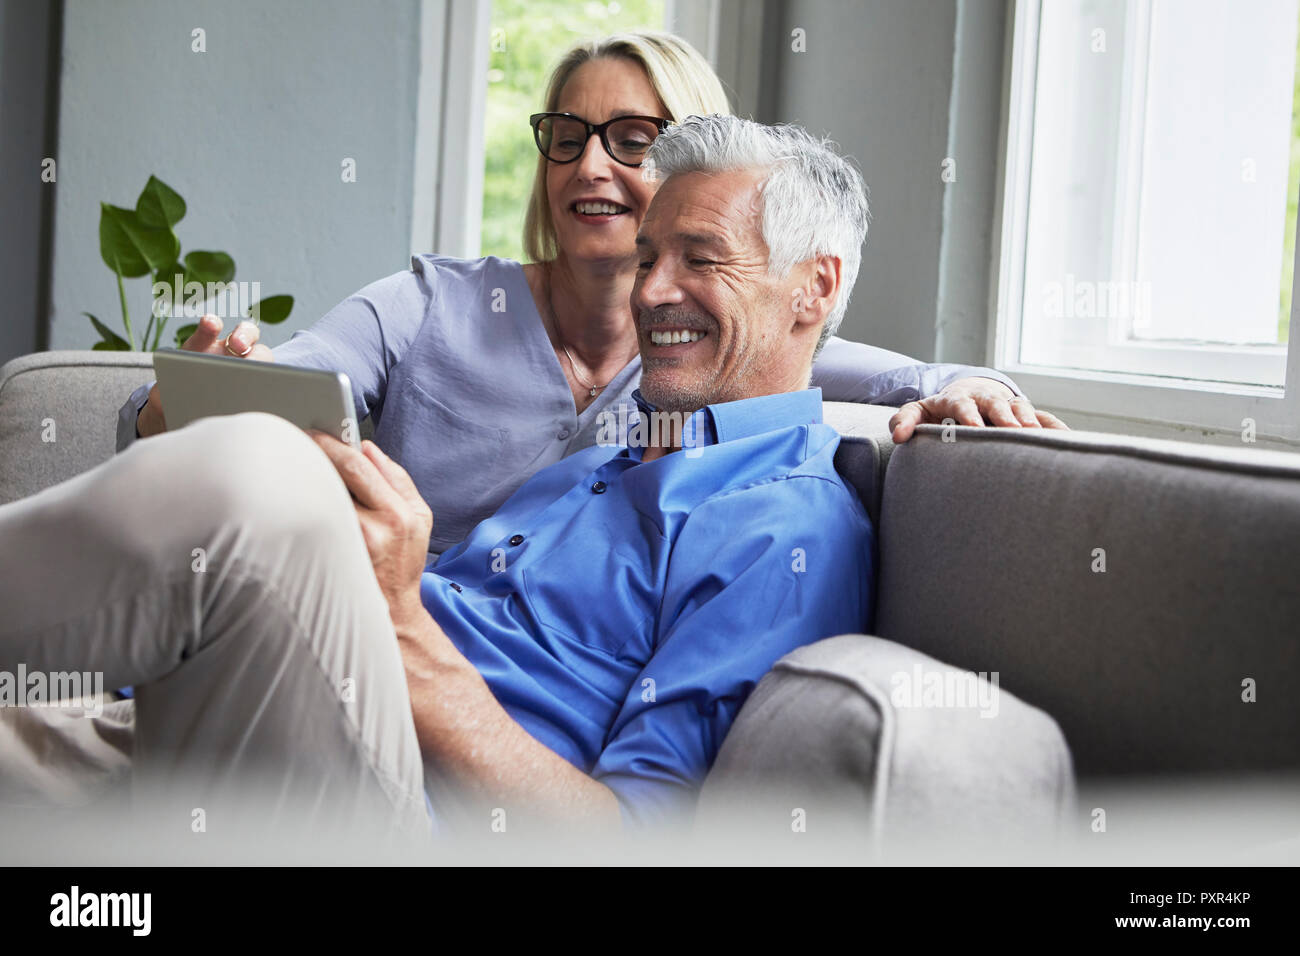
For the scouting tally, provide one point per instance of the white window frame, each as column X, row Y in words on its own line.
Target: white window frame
column 447, row 199
column 1166, row 405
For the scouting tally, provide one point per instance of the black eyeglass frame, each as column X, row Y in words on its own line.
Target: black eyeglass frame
column 535, row 122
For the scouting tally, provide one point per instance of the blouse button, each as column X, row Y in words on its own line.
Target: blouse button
column 598, row 488
column 516, row 540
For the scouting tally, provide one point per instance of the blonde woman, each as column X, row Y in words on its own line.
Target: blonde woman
column 478, row 373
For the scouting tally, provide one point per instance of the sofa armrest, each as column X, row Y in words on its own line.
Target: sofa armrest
column 58, row 414
column 892, row 746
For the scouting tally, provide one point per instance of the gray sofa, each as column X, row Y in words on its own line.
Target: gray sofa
column 1071, row 698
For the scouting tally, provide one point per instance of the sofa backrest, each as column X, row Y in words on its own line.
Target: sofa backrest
column 1144, row 593
column 58, row 414
column 864, row 448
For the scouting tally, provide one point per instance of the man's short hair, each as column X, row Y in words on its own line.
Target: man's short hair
column 814, row 200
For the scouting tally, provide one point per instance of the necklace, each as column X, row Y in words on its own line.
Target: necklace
column 591, row 389
column 550, row 305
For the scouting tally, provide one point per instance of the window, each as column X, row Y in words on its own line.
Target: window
column 1149, row 205
column 528, row 38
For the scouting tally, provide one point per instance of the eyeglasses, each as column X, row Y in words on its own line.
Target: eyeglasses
column 562, row 137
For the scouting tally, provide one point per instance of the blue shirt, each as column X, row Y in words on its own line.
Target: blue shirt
column 453, row 365
column 621, row 611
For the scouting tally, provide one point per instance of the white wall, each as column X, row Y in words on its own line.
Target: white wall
column 251, row 133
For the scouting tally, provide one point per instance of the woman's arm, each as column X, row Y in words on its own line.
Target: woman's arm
column 852, row 372
column 363, row 336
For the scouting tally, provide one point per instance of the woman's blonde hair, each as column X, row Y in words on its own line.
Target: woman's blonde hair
column 681, row 77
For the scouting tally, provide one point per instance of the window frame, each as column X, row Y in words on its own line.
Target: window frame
column 447, row 198
column 1167, row 405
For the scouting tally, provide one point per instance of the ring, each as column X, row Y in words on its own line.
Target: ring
column 237, row 354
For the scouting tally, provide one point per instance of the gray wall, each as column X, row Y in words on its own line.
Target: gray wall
column 251, row 134
column 969, row 214
column 28, row 85
column 877, row 78
column 903, row 85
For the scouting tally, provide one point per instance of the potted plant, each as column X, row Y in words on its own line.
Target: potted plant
column 140, row 242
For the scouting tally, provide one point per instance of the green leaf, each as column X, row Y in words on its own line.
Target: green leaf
column 167, row 276
column 131, row 248
column 209, row 267
column 112, row 342
column 184, row 332
column 159, row 206
column 272, row 310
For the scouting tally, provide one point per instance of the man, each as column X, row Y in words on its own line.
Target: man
column 584, row 651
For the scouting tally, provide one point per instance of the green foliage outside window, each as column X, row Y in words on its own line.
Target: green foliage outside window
column 1292, row 198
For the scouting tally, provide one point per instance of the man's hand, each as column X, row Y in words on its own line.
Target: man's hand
column 460, row 725
column 971, row 401
column 395, row 521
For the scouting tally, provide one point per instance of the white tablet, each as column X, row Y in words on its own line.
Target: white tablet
column 195, row 385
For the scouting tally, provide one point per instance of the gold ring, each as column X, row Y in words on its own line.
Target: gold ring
column 237, row 354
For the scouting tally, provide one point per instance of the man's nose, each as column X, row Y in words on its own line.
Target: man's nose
column 594, row 164
column 658, row 286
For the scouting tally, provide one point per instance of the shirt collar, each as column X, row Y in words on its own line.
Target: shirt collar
column 729, row 421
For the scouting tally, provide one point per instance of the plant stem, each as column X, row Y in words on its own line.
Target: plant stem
column 126, row 316
column 162, row 321
column 144, row 339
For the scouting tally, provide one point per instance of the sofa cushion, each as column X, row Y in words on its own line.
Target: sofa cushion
column 852, row 419
column 991, row 549
column 840, row 729
column 70, row 397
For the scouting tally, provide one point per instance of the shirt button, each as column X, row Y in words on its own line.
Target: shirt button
column 562, row 434
column 598, row 488
column 455, row 587
column 516, row 540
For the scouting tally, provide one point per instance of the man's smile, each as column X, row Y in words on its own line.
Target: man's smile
column 670, row 337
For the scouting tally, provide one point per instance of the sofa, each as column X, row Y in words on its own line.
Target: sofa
column 1084, row 648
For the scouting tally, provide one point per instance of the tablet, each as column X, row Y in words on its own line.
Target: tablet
column 194, row 385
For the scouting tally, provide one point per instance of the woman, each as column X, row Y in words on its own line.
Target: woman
column 478, row 373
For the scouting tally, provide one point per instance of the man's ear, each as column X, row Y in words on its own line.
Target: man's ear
column 812, row 300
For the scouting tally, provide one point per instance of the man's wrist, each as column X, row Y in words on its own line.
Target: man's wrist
column 426, row 649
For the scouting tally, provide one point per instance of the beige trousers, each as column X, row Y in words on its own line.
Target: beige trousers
column 221, row 571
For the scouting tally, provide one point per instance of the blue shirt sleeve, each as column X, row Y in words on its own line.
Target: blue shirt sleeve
column 853, row 372
column 753, row 575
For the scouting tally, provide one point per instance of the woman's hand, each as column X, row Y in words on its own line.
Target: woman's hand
column 241, row 343
column 971, row 401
